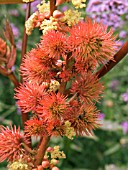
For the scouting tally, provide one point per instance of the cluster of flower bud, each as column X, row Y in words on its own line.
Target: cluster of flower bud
column 43, row 19
column 50, row 161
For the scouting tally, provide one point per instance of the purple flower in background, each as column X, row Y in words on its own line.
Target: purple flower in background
column 121, row 43
column 101, row 116
column 108, row 11
column 126, row 17
column 14, row 12
column 15, row 30
column 114, row 84
column 125, row 97
column 18, row 110
column 64, row 8
column 19, row 44
column 13, row 68
column 33, row 5
column 122, row 34
column 125, row 127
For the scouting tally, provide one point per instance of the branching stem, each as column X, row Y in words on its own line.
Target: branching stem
column 33, row 152
column 117, row 58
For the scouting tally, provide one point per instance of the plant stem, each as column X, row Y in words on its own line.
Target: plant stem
column 10, row 75
column 117, row 58
column 29, row 150
column 13, row 78
column 11, row 1
column 24, row 47
column 63, row 84
column 41, row 150
column 25, row 37
column 62, row 87
column 52, row 6
column 72, row 98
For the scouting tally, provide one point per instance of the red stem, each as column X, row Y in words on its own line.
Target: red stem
column 10, row 75
column 63, row 83
column 52, row 6
column 41, row 150
column 13, row 78
column 29, row 150
column 25, row 37
column 117, row 57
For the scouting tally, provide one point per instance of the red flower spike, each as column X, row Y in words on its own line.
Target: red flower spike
column 33, row 69
column 56, row 127
column 87, row 87
column 82, row 67
column 10, row 144
column 54, row 43
column 91, row 42
column 85, row 119
column 65, row 75
column 52, row 107
column 35, row 127
column 28, row 96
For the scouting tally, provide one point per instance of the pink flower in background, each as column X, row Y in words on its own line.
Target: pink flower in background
column 15, row 31
column 125, row 127
column 64, row 8
column 14, row 12
column 114, row 85
column 19, row 44
column 101, row 116
column 33, row 5
column 122, row 34
column 108, row 11
column 125, row 97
